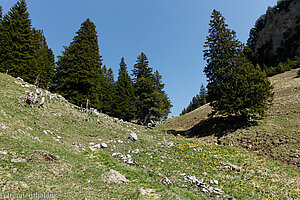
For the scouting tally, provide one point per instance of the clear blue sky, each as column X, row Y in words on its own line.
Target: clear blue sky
column 170, row 32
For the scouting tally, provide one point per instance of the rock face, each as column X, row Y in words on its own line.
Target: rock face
column 114, row 176
column 279, row 38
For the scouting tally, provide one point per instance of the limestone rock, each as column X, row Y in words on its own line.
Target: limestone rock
column 114, row 176
column 79, row 146
column 3, row 152
column 16, row 160
column 231, row 166
column 133, row 137
column 103, row 145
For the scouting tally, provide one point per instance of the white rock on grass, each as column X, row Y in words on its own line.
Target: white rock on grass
column 95, row 147
column 3, row 152
column 133, row 136
column 166, row 181
column 214, row 182
column 16, row 160
column 104, row 145
column 114, row 176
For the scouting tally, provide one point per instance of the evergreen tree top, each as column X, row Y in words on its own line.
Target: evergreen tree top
column 19, row 11
column 122, row 65
column 110, row 75
column 141, row 68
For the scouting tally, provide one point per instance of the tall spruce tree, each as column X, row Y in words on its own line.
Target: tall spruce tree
column 79, row 74
column 17, row 51
column 235, row 86
column 107, row 90
column 44, row 61
column 152, row 102
column 124, row 99
column 163, row 103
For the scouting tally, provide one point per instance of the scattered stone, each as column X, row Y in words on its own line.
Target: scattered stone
column 46, row 156
column 3, row 152
column 20, row 79
column 3, row 126
column 118, row 121
column 95, row 147
column 205, row 187
column 193, row 180
column 15, row 170
column 17, row 160
column 126, row 159
column 134, row 151
column 215, row 182
column 166, row 181
column 133, row 137
column 231, row 166
column 120, row 141
column 146, row 191
column 24, row 185
column 170, row 144
column 114, row 176
column 56, row 137
column 79, row 146
column 104, row 145
column 41, row 103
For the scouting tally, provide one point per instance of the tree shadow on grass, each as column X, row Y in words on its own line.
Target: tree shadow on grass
column 216, row 126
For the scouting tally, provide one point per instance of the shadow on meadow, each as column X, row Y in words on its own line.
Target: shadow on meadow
column 216, row 126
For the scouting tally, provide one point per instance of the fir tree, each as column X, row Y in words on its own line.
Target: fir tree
column 163, row 103
column 152, row 101
column 44, row 61
column 17, row 43
column 124, row 99
column 141, row 68
column 79, row 74
column 235, row 86
column 107, row 90
column 144, row 89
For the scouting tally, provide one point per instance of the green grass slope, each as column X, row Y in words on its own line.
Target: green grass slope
column 37, row 156
column 276, row 136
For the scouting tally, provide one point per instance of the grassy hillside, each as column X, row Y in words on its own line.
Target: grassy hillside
column 277, row 135
column 38, row 155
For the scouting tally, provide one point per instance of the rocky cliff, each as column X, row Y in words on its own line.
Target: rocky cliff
column 276, row 35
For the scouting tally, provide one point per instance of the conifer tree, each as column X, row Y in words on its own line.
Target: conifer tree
column 144, row 89
column 44, row 61
column 17, row 43
column 152, row 101
column 163, row 103
column 107, row 90
column 235, row 86
column 79, row 74
column 124, row 99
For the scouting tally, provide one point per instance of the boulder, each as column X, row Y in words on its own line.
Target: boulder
column 103, row 145
column 114, row 176
column 3, row 152
column 133, row 136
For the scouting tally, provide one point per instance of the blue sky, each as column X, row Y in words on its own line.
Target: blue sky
column 170, row 32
